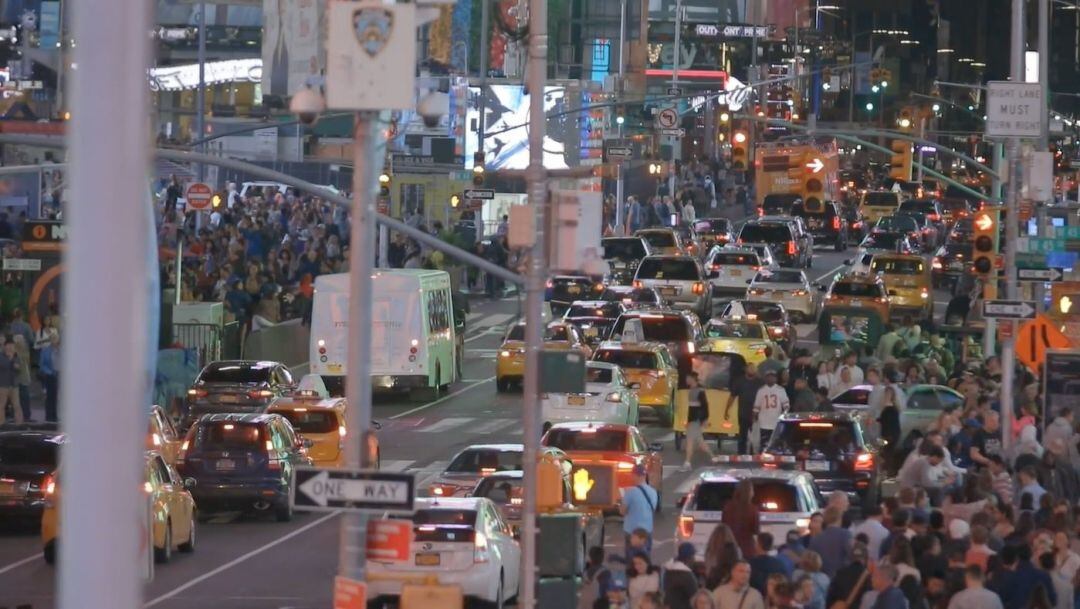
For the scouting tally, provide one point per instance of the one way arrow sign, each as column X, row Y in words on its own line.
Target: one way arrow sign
column 1009, row 309
column 324, row 490
column 1046, row 275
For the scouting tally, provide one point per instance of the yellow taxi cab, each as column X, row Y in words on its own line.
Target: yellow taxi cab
column 908, row 280
column 749, row 338
column 162, row 435
column 663, row 241
column 878, row 203
column 650, row 370
column 510, row 363
column 171, row 513
column 859, row 290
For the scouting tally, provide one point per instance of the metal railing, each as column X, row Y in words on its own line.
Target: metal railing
column 204, row 339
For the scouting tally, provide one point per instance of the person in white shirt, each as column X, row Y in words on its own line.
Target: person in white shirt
column 974, row 596
column 737, row 592
column 851, row 364
column 872, row 527
column 771, row 402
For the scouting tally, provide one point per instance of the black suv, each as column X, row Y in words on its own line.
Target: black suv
column 623, row 254
column 831, row 447
column 28, row 463
column 564, row 289
column 824, row 221
column 242, row 462
column 236, row 386
column 790, row 246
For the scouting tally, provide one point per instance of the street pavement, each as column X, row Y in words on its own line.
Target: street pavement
column 253, row 563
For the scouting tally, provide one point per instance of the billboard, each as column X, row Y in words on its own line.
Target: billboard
column 700, row 11
column 292, row 44
column 506, row 141
column 1061, row 383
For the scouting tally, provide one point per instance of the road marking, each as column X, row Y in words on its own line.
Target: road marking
column 485, row 332
column 434, row 466
column 395, row 465
column 829, row 273
column 494, row 319
column 239, row 559
column 442, row 399
column 17, row 564
column 445, row 424
column 493, row 426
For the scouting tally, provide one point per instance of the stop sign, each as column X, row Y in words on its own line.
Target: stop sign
column 199, row 196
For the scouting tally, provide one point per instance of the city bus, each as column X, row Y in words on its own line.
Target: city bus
column 414, row 344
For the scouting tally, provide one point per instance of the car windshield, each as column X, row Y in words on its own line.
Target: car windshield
column 598, row 374
column 856, row 289
column 588, row 439
column 897, row 223
column 628, row 359
column 219, row 435
column 711, row 225
column 556, row 333
column 676, row 269
column 660, row 328
column 444, row 517
column 881, row 199
column 860, row 397
column 42, row 451
column 883, row 241
column 732, row 329
column 311, row 421
column 829, row 438
column 623, row 249
column 516, row 333
column 481, row 459
column 779, row 276
column 501, row 490
column 769, row 495
column 765, row 233
column 775, row 205
column 659, row 238
column 735, row 259
column 768, row 312
column 607, row 309
column 918, row 206
column 957, row 206
column 896, row 266
column 244, row 373
column 958, row 250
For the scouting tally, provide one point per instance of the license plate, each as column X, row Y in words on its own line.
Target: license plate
column 573, row 289
column 590, row 332
column 856, row 303
column 735, row 273
column 575, row 400
column 668, row 291
column 225, row 465
column 229, row 399
column 428, row 559
column 817, row 466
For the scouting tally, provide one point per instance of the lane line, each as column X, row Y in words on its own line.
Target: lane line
column 445, row 424
column 239, row 559
column 442, row 399
column 832, row 272
column 19, row 563
column 395, row 465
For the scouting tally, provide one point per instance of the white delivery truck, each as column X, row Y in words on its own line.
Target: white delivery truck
column 413, row 343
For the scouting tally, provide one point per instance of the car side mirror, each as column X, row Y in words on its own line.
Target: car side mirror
column 656, row 447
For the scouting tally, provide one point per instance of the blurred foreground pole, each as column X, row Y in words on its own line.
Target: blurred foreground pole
column 536, row 79
column 105, row 308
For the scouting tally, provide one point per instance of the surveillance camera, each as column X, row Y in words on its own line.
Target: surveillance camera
column 432, row 107
column 307, row 104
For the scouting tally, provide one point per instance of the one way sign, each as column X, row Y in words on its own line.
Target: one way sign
column 1009, row 309
column 324, row 490
column 1045, row 275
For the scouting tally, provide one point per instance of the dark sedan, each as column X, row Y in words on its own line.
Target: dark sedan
column 28, row 462
column 245, row 386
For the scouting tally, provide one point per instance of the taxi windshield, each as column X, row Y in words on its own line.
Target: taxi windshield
column 516, row 333
column 896, row 266
column 856, row 289
column 711, row 225
column 730, row 329
column 311, row 422
column 588, row 439
column 608, row 309
column 475, row 461
column 768, row 312
column 628, row 359
column 556, row 333
column 629, row 248
column 660, row 328
column 883, row 241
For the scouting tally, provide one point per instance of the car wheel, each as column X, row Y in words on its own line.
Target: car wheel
column 840, row 244
column 500, row 386
column 284, row 512
column 49, row 553
column 164, row 554
column 189, row 546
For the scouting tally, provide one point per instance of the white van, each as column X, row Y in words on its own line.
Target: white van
column 413, row 342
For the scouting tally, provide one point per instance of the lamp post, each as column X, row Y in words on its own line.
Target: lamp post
column 798, row 25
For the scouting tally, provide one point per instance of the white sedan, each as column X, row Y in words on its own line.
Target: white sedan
column 789, row 287
column 458, row 541
column 608, row 398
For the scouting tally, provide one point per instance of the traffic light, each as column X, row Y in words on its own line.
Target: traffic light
column 905, row 120
column 1065, row 303
column 740, row 146
column 216, row 200
column 478, row 169
column 723, row 113
column 384, row 184
column 813, row 188
column 549, row 483
column 985, row 241
column 455, row 200
column 900, row 162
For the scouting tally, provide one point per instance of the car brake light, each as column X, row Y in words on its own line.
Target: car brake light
column 798, row 293
column 686, row 527
column 261, row 393
column 625, row 466
column 836, row 223
column 480, row 548
column 699, row 287
column 614, row 396
column 768, row 460
column 925, row 294
column 197, row 393
column 550, row 284
column 271, row 462
column 156, row 439
column 638, row 285
column 791, row 248
column 341, row 431
column 864, row 461
column 936, row 264
column 149, row 488
column 933, row 217
column 48, row 486
column 690, row 347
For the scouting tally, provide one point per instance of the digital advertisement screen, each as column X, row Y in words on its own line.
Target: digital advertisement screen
column 845, row 328
column 506, row 141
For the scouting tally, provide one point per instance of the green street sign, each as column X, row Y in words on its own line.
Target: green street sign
column 1066, row 232
column 1026, row 260
column 1041, row 245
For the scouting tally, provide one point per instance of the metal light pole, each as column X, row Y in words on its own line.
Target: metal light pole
column 619, row 184
column 353, row 553
column 200, row 94
column 485, row 51
column 103, row 461
column 1039, row 289
column 536, row 176
column 1008, row 350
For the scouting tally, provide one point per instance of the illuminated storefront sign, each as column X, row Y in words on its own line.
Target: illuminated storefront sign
column 179, row 78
